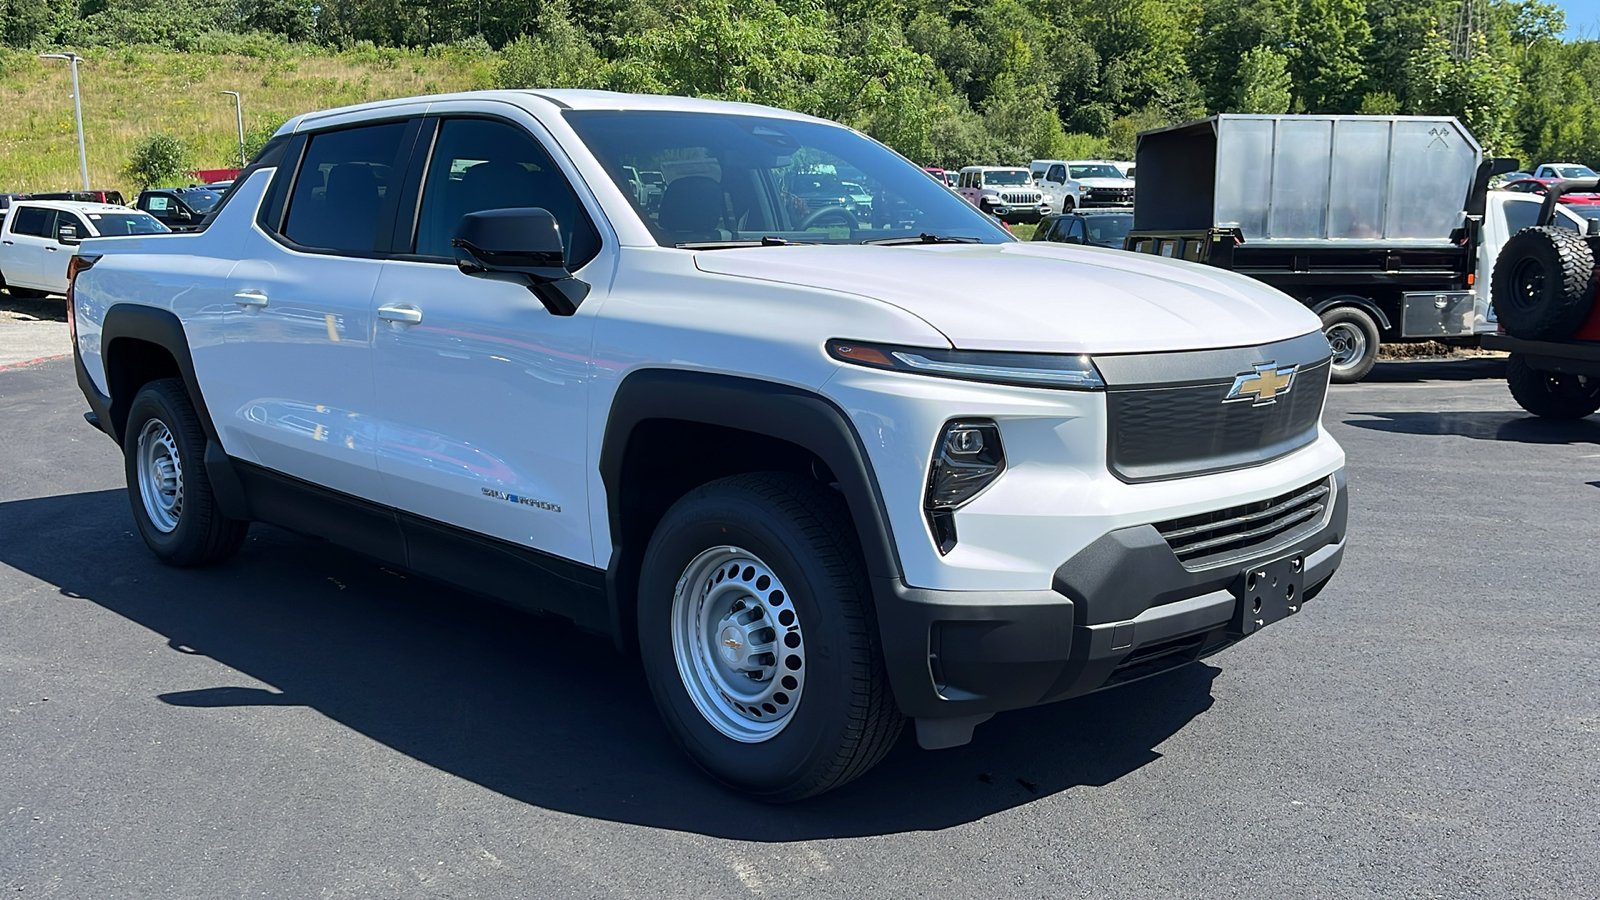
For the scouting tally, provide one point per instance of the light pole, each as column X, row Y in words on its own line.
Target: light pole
column 238, row 114
column 77, row 104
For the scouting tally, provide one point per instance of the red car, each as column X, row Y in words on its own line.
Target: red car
column 1542, row 185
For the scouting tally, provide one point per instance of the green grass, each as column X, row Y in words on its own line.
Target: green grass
column 129, row 93
column 1024, row 232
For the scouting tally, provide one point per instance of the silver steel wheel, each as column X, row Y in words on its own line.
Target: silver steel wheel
column 1349, row 344
column 160, row 476
column 736, row 638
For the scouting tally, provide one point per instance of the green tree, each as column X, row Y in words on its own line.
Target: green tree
column 1331, row 40
column 558, row 55
column 1264, row 82
column 158, row 160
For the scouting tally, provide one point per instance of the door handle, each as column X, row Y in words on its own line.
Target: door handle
column 8, row 243
column 400, row 313
column 51, row 247
column 250, row 299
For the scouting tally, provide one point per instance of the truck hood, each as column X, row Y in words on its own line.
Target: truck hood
column 1037, row 296
column 1106, row 182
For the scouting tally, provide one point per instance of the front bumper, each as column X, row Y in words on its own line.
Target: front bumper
column 1121, row 609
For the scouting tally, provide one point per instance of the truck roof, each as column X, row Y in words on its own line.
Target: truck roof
column 74, row 206
column 561, row 99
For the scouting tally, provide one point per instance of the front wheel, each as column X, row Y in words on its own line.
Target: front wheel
column 1067, row 205
column 1354, row 338
column 1552, row 395
column 164, row 452
column 757, row 634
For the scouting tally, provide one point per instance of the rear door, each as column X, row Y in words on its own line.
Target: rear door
column 24, row 243
column 297, row 395
column 481, row 392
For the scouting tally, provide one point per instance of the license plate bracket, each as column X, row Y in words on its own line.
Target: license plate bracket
column 1267, row 592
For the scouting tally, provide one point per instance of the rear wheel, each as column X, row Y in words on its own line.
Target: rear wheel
column 1354, row 338
column 757, row 634
column 164, row 452
column 1553, row 395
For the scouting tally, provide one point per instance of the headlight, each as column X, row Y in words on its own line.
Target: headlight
column 1046, row 370
column 968, row 458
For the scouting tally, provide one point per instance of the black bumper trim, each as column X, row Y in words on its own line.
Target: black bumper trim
column 1122, row 609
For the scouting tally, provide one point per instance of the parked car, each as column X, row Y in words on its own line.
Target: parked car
column 1541, row 186
column 180, row 209
column 1094, row 227
column 1103, row 183
column 1125, row 167
column 112, row 197
column 939, row 175
column 1061, row 191
column 821, row 483
column 1499, row 182
column 1563, row 171
column 40, row 236
column 654, row 184
column 1006, row 192
column 821, row 198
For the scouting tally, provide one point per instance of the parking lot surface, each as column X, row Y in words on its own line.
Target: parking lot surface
column 303, row 723
column 32, row 330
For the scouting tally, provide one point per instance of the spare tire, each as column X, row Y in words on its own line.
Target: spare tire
column 1543, row 284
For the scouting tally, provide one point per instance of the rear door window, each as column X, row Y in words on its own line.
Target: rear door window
column 30, row 220
column 339, row 194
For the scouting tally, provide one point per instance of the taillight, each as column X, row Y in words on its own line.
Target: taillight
column 75, row 265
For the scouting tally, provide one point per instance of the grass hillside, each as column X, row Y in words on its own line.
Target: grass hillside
column 133, row 92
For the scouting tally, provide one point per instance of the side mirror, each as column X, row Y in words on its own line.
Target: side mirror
column 1073, row 239
column 523, row 246
column 68, row 234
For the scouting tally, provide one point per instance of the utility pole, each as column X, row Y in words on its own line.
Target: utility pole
column 77, row 104
column 238, row 115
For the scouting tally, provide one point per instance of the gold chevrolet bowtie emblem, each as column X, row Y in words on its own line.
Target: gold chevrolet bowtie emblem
column 1262, row 386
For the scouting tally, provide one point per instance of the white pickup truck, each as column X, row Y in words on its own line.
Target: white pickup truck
column 823, row 478
column 39, row 236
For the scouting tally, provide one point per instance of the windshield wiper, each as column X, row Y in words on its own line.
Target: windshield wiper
column 925, row 238
column 768, row 241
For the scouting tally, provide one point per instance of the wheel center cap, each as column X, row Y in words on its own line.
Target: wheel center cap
column 732, row 641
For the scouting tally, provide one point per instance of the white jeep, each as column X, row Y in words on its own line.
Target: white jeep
column 824, row 474
column 1005, row 192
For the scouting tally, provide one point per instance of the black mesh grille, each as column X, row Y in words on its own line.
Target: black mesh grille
column 1171, row 432
column 1223, row 535
column 1111, row 195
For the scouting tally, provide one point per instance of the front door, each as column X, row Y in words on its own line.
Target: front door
column 25, row 240
column 297, row 396
column 481, row 393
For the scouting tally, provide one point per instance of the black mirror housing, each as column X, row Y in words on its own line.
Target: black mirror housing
column 521, row 245
column 68, row 234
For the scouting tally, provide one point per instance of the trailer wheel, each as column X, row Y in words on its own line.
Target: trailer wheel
column 1552, row 395
column 1354, row 338
column 1543, row 284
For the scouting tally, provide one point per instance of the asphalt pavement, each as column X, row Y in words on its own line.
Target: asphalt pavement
column 301, row 722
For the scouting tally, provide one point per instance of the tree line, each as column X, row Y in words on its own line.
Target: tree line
column 955, row 82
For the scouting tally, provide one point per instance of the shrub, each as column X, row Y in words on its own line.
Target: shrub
column 158, row 160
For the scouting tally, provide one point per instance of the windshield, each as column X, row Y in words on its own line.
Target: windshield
column 201, row 201
column 1007, row 176
column 113, row 224
column 1574, row 171
column 1095, row 171
column 744, row 178
column 1108, row 230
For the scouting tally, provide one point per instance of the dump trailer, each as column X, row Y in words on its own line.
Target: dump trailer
column 1374, row 222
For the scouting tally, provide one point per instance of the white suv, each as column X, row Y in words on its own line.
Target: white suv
column 39, row 237
column 1005, row 192
column 822, row 474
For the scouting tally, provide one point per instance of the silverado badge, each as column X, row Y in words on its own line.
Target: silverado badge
column 1261, row 386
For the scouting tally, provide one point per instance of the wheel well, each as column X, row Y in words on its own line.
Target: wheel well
column 131, row 364
column 1386, row 330
column 665, row 459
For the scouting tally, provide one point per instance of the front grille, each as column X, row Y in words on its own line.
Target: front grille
column 1238, row 532
column 1111, row 195
column 1021, row 198
column 1159, row 431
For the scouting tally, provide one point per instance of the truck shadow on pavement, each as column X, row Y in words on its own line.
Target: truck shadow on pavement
column 1469, row 368
column 532, row 708
column 1517, row 427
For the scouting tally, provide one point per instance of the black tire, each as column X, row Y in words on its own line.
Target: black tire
column 1543, row 284
column 1354, row 337
column 1552, row 395
column 845, row 719
column 1068, row 205
column 202, row 534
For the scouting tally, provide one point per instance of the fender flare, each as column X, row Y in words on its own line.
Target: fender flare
column 797, row 416
column 1362, row 303
column 162, row 328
